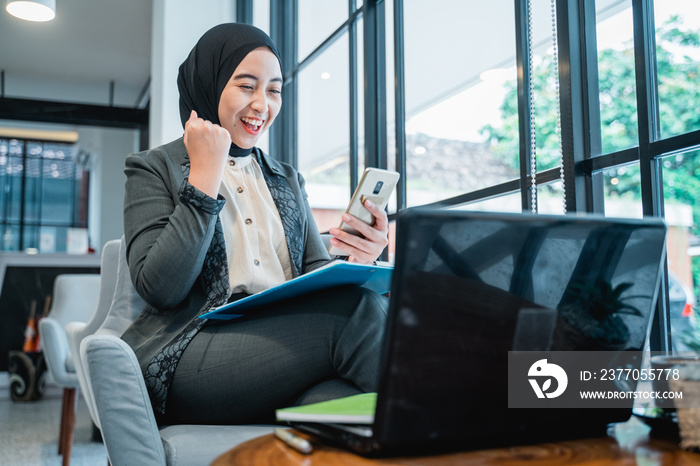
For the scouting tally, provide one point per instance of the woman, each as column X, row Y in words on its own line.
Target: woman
column 210, row 218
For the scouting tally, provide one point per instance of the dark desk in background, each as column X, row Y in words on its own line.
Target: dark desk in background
column 27, row 277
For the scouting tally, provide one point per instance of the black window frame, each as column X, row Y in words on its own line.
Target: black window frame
column 584, row 162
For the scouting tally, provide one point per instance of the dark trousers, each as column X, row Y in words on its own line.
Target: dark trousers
column 241, row 370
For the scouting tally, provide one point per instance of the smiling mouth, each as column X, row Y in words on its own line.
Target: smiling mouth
column 253, row 125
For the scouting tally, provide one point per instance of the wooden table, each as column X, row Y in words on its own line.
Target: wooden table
column 623, row 448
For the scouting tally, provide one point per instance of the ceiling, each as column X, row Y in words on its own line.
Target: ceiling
column 75, row 57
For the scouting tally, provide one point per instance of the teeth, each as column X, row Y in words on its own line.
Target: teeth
column 252, row 121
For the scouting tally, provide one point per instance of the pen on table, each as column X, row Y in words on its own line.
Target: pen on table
column 299, row 444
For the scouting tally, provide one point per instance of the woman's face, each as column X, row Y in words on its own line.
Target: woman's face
column 252, row 97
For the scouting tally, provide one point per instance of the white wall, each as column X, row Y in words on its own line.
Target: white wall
column 110, row 147
column 177, row 25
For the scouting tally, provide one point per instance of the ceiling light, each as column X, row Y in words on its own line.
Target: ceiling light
column 34, row 10
column 325, row 75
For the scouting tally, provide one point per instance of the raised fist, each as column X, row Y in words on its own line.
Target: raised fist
column 207, row 145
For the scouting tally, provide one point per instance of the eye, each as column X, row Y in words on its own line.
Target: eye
column 247, row 87
column 275, row 91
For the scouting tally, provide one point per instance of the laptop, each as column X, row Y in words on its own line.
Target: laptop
column 469, row 288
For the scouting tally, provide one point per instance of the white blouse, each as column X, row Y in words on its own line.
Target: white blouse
column 256, row 247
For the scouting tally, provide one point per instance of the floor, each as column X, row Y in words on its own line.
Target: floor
column 29, row 434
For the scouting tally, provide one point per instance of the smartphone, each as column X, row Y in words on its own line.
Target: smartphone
column 376, row 185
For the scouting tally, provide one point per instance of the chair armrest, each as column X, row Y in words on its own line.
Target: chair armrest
column 75, row 332
column 74, row 335
column 129, row 428
column 56, row 351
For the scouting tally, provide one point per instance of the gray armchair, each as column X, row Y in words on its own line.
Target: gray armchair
column 76, row 331
column 124, row 413
column 123, row 408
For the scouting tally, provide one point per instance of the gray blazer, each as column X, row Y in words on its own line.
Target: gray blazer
column 177, row 256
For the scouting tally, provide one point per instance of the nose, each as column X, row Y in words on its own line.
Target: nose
column 260, row 102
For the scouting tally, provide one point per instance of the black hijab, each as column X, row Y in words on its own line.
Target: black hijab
column 209, row 66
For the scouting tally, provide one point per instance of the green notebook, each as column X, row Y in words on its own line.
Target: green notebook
column 356, row 409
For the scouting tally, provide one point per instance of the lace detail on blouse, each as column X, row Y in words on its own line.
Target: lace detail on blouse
column 198, row 199
column 215, row 268
column 290, row 213
column 160, row 371
column 159, row 374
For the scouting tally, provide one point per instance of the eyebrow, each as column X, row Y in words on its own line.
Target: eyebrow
column 251, row 76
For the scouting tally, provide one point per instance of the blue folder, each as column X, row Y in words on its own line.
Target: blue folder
column 338, row 273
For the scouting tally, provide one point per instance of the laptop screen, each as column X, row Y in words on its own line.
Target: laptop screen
column 470, row 287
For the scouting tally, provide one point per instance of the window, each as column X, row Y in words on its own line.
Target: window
column 320, row 132
column 317, row 20
column 507, row 203
column 681, row 194
column 323, row 136
column 621, row 186
column 261, row 19
column 457, row 96
column 678, row 65
column 616, row 78
column 44, row 195
column 261, row 15
column 660, row 146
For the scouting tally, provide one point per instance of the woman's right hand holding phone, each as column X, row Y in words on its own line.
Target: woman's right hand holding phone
column 207, row 145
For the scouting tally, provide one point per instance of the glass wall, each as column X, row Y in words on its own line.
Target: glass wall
column 675, row 63
column 544, row 85
column 324, row 119
column 507, row 203
column 326, row 82
column 678, row 65
column 467, row 79
column 261, row 19
column 44, row 195
column 461, row 99
column 616, row 75
column 261, row 15
column 681, row 175
column 317, row 21
column 622, row 191
column 550, row 198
